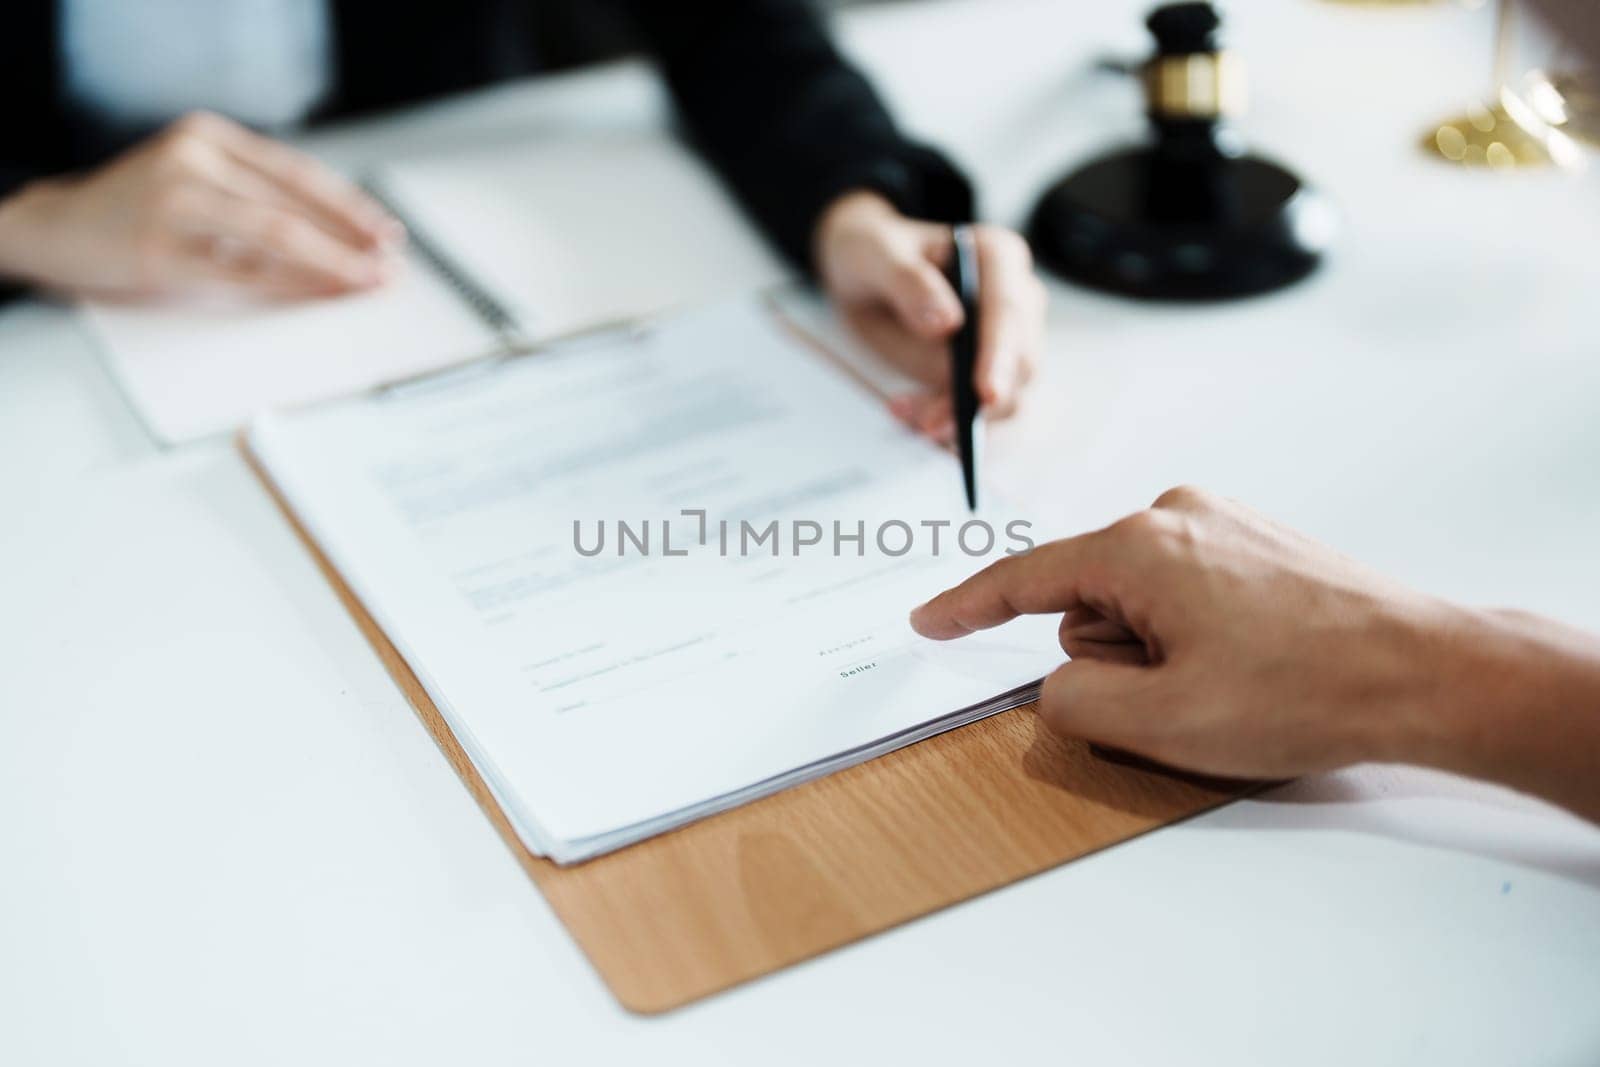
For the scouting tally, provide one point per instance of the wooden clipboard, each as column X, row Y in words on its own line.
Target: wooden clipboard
column 739, row 895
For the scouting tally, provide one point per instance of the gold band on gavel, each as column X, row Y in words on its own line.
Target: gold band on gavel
column 1205, row 85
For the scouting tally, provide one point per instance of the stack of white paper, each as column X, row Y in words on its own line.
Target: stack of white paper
column 677, row 672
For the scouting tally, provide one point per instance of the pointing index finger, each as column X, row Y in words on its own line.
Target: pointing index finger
column 1052, row 578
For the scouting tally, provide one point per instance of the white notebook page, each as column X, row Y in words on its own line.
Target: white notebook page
column 573, row 230
column 203, row 367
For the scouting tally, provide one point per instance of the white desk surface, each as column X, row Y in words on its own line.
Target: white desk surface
column 227, row 840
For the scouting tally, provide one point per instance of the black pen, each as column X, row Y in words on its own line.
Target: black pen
column 963, row 275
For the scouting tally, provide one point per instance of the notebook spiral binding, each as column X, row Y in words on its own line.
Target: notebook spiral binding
column 484, row 304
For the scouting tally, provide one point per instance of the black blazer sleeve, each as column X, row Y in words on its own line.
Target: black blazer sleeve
column 32, row 139
column 770, row 102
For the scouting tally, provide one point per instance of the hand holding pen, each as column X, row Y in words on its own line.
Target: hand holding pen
column 886, row 274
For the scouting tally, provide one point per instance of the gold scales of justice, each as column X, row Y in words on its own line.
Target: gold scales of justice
column 1534, row 121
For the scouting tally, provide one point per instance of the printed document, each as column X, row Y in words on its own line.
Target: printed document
column 653, row 575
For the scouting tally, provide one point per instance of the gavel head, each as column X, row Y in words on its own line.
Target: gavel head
column 1191, row 76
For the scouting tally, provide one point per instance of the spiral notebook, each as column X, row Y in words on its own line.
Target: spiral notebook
column 508, row 247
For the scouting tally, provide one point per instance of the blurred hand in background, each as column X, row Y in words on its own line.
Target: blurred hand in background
column 885, row 272
column 204, row 204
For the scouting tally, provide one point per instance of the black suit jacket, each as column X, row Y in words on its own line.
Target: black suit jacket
column 759, row 85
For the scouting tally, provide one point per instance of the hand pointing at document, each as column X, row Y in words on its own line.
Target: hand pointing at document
column 1208, row 638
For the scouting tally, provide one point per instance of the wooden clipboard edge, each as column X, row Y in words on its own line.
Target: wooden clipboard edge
column 538, row 868
column 416, row 695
